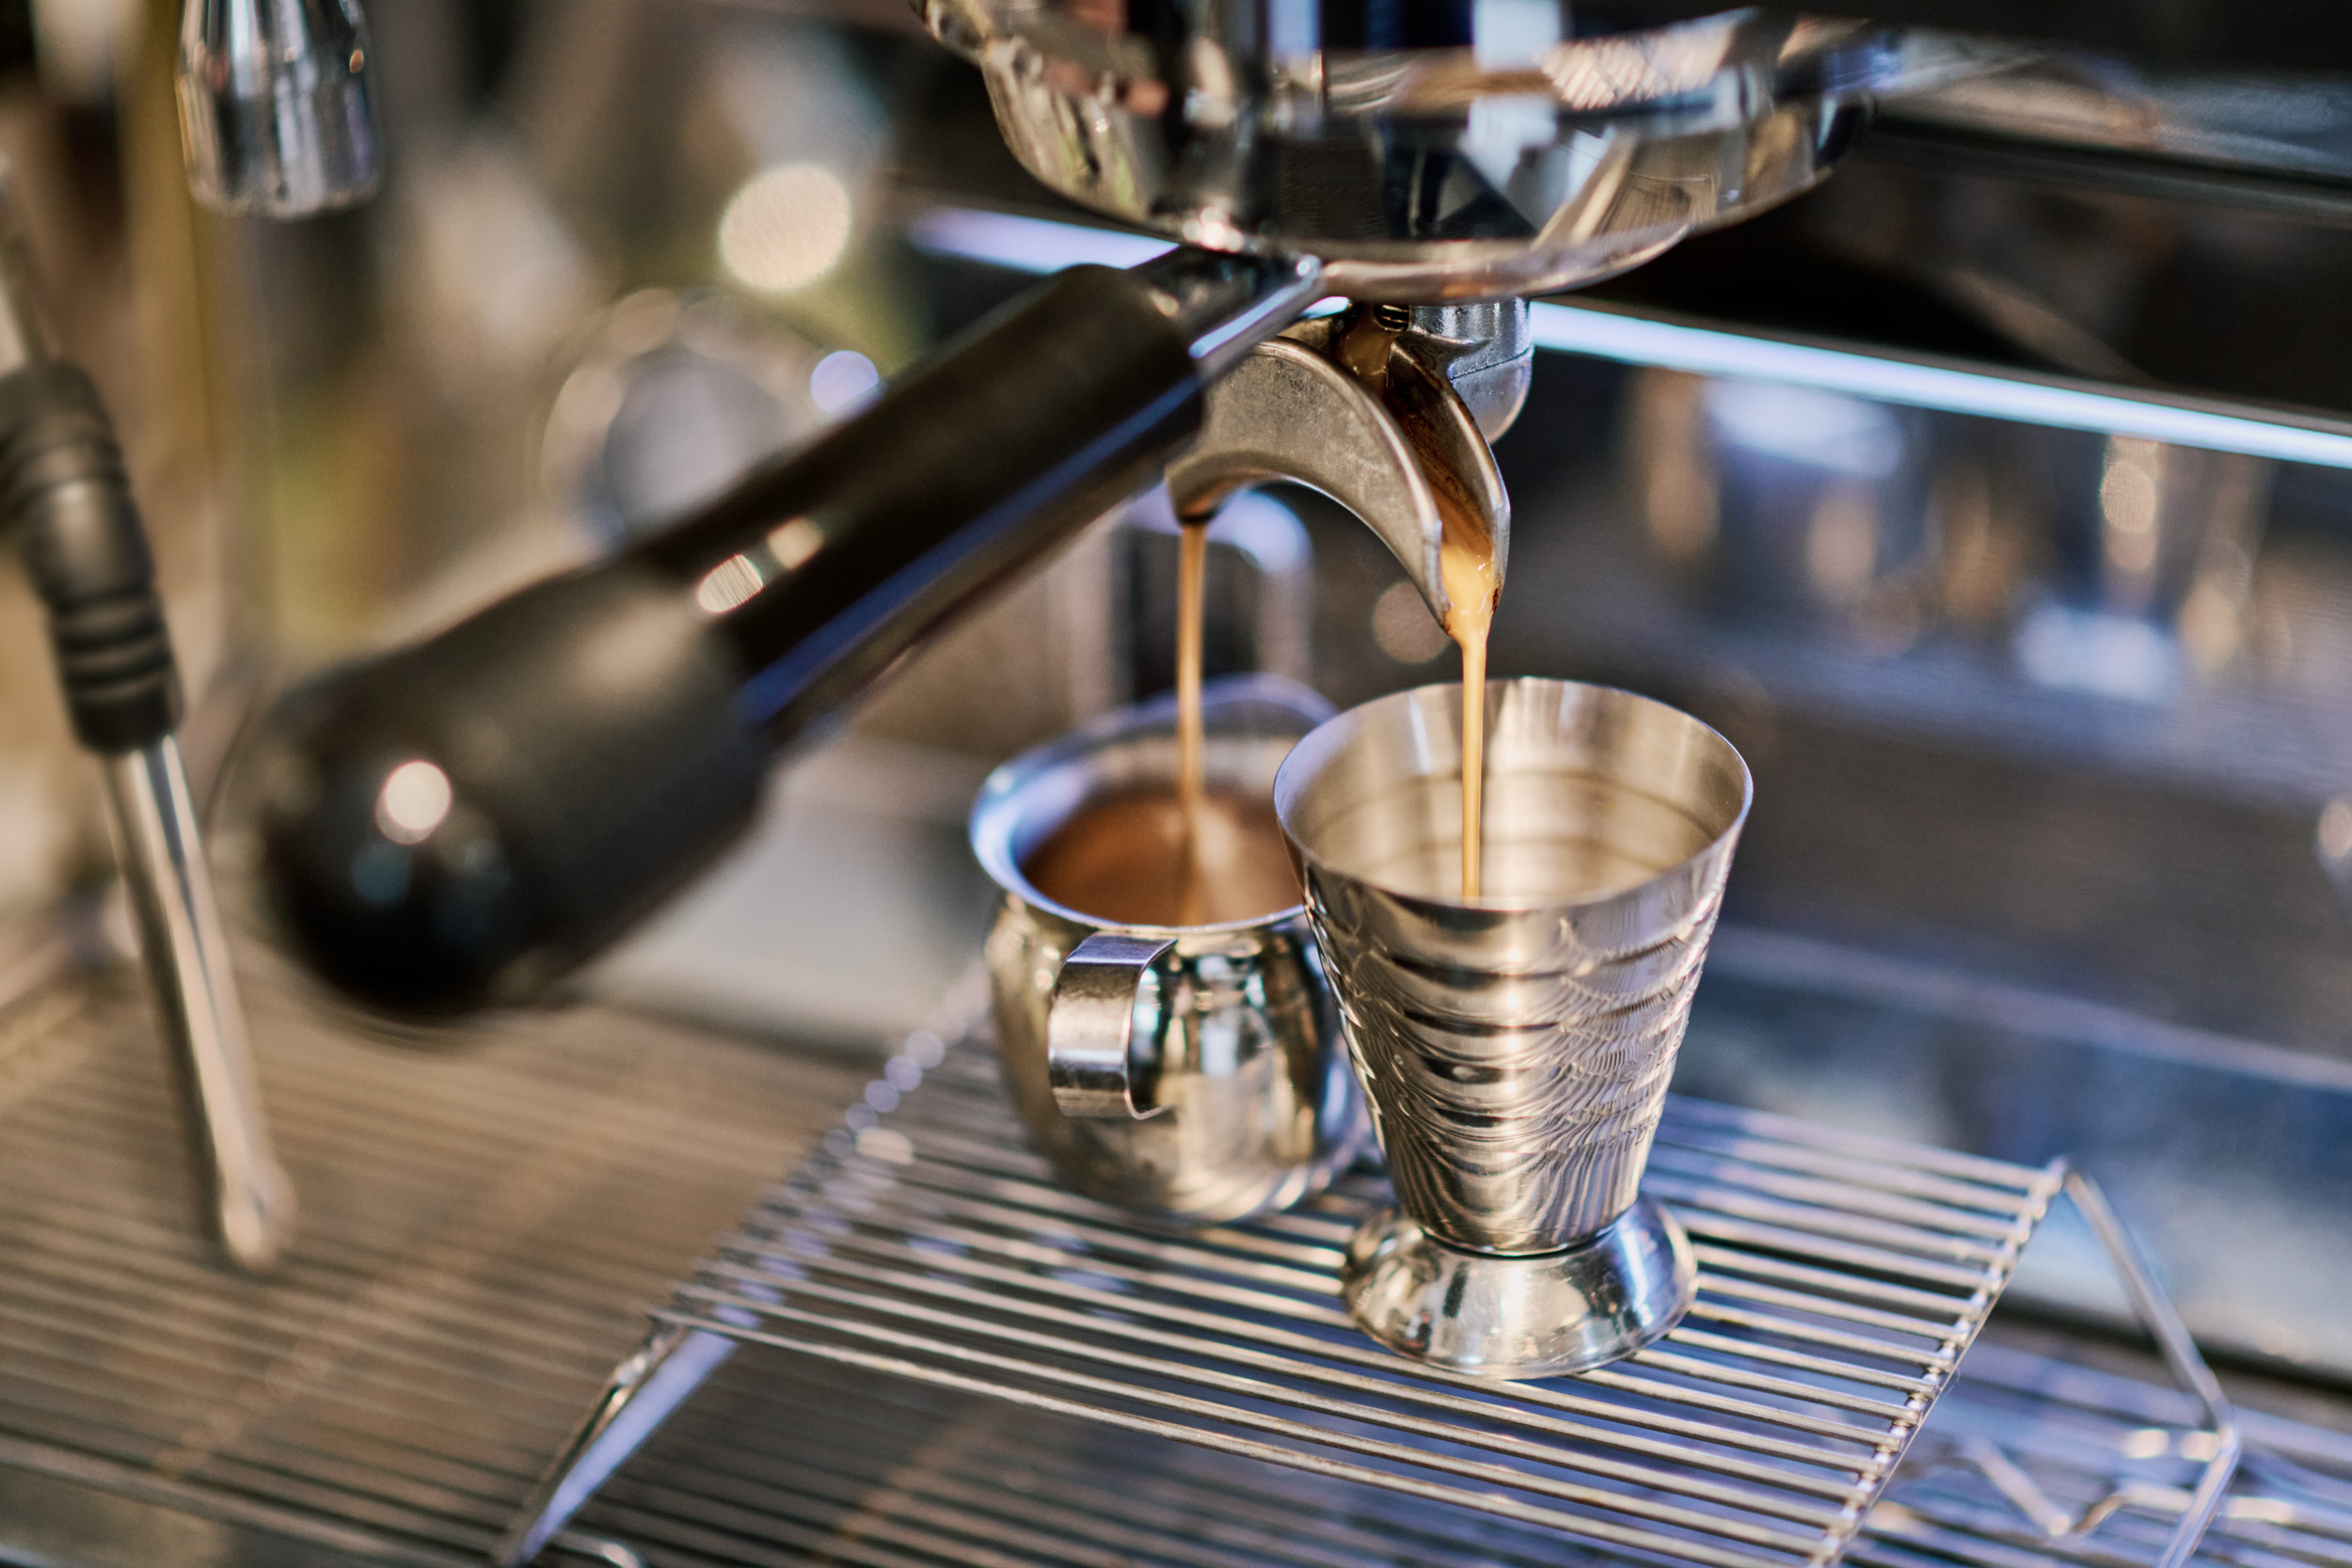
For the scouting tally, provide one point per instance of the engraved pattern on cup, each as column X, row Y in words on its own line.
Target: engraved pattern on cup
column 1516, row 1054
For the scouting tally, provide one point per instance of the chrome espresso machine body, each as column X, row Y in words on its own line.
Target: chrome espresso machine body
column 1900, row 393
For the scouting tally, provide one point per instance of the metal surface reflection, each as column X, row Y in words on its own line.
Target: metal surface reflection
column 1470, row 155
column 1515, row 1048
column 275, row 117
column 1234, row 1097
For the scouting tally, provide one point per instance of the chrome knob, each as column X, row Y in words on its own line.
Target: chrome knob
column 275, row 117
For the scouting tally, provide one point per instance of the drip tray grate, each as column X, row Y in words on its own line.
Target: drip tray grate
column 1842, row 1280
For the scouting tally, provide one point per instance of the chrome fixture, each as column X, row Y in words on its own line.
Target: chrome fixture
column 64, row 493
column 924, row 1247
column 1294, row 411
column 275, row 113
column 1512, row 159
column 1483, row 156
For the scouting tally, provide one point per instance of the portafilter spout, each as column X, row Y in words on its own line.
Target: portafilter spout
column 1382, row 439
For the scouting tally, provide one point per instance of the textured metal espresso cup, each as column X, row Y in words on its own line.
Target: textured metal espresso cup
column 1515, row 1048
column 1194, row 1072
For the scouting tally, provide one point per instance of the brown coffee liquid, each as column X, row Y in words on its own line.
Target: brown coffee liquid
column 1466, row 564
column 1466, row 560
column 1130, row 861
column 1192, row 563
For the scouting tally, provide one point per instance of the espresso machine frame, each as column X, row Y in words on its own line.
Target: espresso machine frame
column 760, row 1281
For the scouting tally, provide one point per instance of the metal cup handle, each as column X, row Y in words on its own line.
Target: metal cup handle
column 1089, row 1024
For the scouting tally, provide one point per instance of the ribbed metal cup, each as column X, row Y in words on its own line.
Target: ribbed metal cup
column 1515, row 1048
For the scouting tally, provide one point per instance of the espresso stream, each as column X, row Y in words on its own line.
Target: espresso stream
column 1192, row 566
column 1466, row 564
column 1186, row 859
column 1192, row 858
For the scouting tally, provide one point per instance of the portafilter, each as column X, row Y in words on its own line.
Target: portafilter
column 460, row 822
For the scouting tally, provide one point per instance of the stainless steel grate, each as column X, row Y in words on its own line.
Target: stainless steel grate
column 482, row 1225
column 2036, row 1460
column 784, row 1459
column 483, row 1228
column 1842, row 1278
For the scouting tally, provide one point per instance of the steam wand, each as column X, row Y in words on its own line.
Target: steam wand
column 63, row 490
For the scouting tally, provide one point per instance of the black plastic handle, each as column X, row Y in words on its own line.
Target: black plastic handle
column 460, row 823
column 64, row 489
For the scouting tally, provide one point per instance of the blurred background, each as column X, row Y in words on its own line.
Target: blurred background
column 2052, row 729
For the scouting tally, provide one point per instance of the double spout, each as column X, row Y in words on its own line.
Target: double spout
column 1360, row 407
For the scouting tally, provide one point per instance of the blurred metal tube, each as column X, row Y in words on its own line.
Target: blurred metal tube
column 275, row 118
column 252, row 1202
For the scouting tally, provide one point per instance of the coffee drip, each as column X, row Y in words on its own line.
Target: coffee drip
column 1192, row 568
column 1189, row 858
column 1467, row 567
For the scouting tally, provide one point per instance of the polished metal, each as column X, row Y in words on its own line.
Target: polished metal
column 925, row 1256
column 1520, row 1316
column 1089, row 1026
column 1501, row 154
column 1289, row 411
column 1516, row 1050
column 499, row 1216
column 1237, row 1059
column 249, row 1200
column 1635, row 337
column 1487, row 351
column 481, row 1228
column 276, row 118
column 2112, row 564
column 1227, row 305
column 644, row 1392
column 2154, row 1311
column 249, row 1203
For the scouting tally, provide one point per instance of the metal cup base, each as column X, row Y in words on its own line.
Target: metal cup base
column 1503, row 1316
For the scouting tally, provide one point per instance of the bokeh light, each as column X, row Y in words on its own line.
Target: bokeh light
column 785, row 229
column 1405, row 628
column 415, row 799
column 842, row 380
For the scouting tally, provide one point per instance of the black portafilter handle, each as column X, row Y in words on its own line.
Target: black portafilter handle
column 460, row 823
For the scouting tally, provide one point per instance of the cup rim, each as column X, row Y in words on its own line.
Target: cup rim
column 1504, row 904
column 989, row 828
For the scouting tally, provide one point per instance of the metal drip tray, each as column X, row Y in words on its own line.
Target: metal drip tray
column 784, row 1459
column 482, row 1226
column 1842, row 1280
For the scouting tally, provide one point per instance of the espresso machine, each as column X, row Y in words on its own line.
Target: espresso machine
column 1436, row 182
column 1746, row 471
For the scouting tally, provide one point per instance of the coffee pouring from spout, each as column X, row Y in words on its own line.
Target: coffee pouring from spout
column 1376, row 440
column 603, row 734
